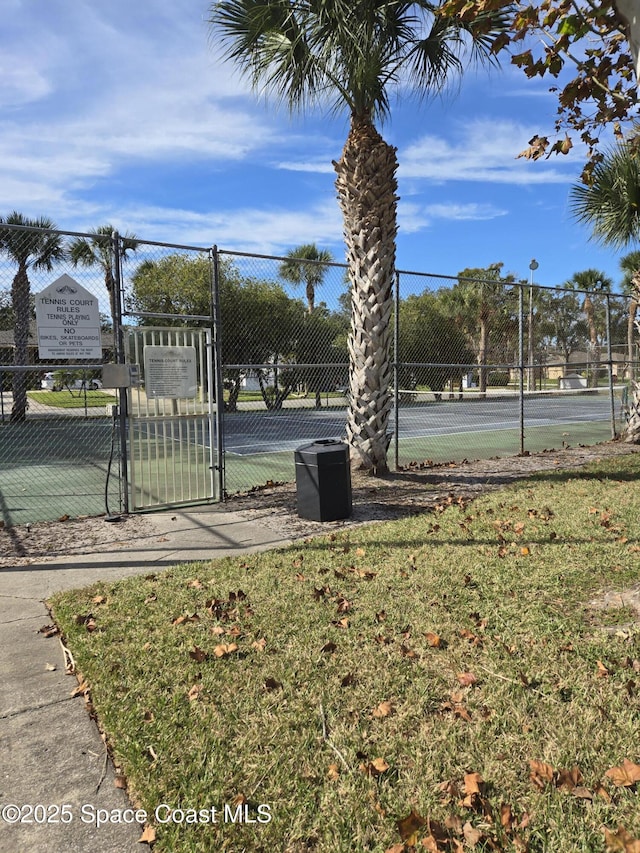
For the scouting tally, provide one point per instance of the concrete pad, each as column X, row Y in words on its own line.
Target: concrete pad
column 25, row 655
column 54, row 756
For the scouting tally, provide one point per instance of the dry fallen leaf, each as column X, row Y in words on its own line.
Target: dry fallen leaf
column 376, row 767
column 384, row 709
column 148, row 836
column 471, row 835
column 433, row 640
column 625, row 775
column 410, row 825
column 198, row 654
column 194, row 693
column 541, row 773
column 620, row 841
column 81, row 690
column 333, row 772
column 225, row 649
column 569, row 780
column 472, row 782
column 260, row 645
column 466, row 679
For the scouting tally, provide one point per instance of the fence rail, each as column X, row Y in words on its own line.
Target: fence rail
column 481, row 367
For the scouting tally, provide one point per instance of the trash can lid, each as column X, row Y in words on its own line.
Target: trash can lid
column 331, row 449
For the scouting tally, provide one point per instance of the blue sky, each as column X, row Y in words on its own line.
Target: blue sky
column 122, row 112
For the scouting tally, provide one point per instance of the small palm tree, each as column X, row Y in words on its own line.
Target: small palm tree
column 306, row 265
column 31, row 246
column 352, row 56
column 610, row 205
column 97, row 251
column 591, row 281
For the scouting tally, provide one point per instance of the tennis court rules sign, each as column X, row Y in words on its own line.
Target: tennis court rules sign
column 68, row 321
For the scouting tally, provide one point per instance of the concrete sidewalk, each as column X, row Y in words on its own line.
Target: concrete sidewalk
column 51, row 753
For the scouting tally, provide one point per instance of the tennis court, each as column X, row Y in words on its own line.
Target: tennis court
column 50, row 467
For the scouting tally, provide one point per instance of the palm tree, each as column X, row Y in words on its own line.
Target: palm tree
column 352, row 55
column 630, row 266
column 610, row 205
column 97, row 250
column 306, row 265
column 30, row 246
column 591, row 281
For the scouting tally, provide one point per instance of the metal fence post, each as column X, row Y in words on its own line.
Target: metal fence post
column 521, row 362
column 610, row 366
column 118, row 340
column 217, row 365
column 396, row 372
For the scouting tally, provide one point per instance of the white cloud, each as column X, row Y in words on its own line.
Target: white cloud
column 96, row 96
column 413, row 217
column 263, row 231
column 482, row 150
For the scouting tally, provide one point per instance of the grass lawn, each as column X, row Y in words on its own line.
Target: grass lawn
column 438, row 683
column 67, row 400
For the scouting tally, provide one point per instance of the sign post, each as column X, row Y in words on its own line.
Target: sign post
column 68, row 321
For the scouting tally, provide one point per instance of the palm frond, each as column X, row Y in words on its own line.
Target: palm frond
column 349, row 54
column 610, row 203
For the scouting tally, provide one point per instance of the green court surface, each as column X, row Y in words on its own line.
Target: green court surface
column 53, row 468
column 246, row 472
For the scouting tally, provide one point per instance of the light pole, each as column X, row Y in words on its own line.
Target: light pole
column 530, row 372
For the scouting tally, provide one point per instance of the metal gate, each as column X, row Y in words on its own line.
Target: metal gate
column 171, row 424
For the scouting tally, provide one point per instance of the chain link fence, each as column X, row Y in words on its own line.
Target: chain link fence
column 243, row 358
column 60, row 451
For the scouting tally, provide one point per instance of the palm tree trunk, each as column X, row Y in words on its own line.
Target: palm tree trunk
column 593, row 342
column 366, row 186
column 482, row 356
column 632, row 431
column 311, row 297
column 20, row 302
column 631, row 324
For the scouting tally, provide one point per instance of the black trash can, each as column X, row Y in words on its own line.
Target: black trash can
column 323, row 480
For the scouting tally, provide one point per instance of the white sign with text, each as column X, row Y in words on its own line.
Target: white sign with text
column 68, row 321
column 170, row 372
